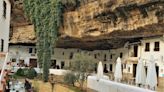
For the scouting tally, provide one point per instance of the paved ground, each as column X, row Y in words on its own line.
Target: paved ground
column 161, row 85
column 46, row 87
column 17, row 86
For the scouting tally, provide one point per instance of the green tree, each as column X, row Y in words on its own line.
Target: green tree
column 82, row 64
column 70, row 78
column 46, row 15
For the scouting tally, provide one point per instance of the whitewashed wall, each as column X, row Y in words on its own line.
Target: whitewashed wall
column 158, row 55
column 5, row 24
column 63, row 55
column 22, row 52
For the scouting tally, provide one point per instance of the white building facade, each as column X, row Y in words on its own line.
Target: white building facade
column 129, row 55
column 5, row 11
column 154, row 47
column 23, row 55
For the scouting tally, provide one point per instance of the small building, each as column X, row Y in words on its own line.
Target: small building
column 144, row 48
column 154, row 46
column 23, row 55
column 5, row 9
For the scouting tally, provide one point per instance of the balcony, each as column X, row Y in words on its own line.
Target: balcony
column 133, row 60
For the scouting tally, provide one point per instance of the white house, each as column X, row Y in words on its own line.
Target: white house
column 5, row 9
column 154, row 46
column 23, row 55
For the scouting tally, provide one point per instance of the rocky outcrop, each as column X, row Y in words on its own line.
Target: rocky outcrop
column 23, row 35
column 103, row 24
column 18, row 17
column 101, row 17
column 21, row 31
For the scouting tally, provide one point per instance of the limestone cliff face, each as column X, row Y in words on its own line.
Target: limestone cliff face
column 100, row 17
column 100, row 24
column 21, row 31
column 18, row 17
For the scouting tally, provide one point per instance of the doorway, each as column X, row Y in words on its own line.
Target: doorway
column 105, row 68
column 111, row 67
column 2, row 45
column 134, row 70
column 62, row 64
column 33, row 62
column 53, row 64
column 95, row 67
column 135, row 51
column 157, row 71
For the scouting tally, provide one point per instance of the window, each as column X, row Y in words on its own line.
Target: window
column 105, row 57
column 111, row 67
column 53, row 64
column 71, row 55
column 33, row 62
column 4, row 9
column 62, row 64
column 135, row 50
column 124, row 66
column 121, row 54
column 21, row 63
column 95, row 66
column 105, row 68
column 35, row 50
column 147, row 47
column 111, row 56
column 95, row 56
column 156, row 46
column 2, row 45
column 128, row 69
column 30, row 50
column 13, row 59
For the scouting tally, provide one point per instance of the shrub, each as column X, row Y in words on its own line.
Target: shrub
column 25, row 71
column 20, row 72
column 70, row 78
column 31, row 73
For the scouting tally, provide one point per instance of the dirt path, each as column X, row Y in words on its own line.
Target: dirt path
column 46, row 87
